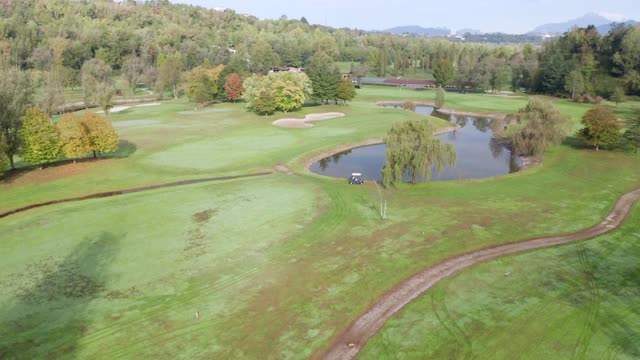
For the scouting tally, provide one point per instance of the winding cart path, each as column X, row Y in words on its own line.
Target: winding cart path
column 348, row 343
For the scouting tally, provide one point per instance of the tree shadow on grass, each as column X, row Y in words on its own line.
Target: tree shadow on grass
column 48, row 316
column 125, row 149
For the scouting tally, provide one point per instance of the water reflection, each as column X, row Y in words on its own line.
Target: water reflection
column 479, row 153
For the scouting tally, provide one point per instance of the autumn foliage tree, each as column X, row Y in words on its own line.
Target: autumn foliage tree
column 39, row 137
column 600, row 127
column 102, row 137
column 287, row 90
column 74, row 136
column 233, row 87
column 202, row 82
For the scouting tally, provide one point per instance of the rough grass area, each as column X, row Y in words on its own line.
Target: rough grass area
column 275, row 266
column 575, row 301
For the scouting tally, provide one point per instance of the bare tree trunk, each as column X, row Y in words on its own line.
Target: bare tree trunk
column 11, row 163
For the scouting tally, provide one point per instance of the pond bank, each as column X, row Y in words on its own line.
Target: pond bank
column 372, row 141
column 447, row 111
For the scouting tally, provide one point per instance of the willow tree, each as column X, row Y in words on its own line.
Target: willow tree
column 543, row 126
column 413, row 149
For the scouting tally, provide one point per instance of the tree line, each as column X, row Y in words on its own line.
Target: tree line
column 158, row 43
column 29, row 131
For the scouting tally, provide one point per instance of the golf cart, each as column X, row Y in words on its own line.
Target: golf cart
column 356, row 179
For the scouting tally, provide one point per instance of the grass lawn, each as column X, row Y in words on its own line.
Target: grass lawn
column 275, row 265
column 417, row 74
column 575, row 301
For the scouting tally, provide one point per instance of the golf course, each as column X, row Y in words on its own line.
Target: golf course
column 247, row 254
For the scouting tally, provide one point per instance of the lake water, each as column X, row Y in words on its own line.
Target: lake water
column 479, row 155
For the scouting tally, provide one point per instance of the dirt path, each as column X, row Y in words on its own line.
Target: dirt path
column 129, row 191
column 348, row 343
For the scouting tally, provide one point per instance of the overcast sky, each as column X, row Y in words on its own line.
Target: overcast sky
column 515, row 16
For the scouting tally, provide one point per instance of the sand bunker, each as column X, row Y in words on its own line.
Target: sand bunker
column 303, row 123
column 123, row 108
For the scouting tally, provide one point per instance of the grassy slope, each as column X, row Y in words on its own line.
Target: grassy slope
column 575, row 301
column 418, row 74
column 174, row 142
column 283, row 263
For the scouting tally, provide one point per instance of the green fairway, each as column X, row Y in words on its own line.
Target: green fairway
column 575, row 301
column 278, row 265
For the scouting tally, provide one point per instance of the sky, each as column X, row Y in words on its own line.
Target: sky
column 515, row 16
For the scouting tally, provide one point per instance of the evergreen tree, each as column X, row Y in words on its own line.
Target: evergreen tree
column 440, row 95
column 345, row 90
column 324, row 77
column 443, row 72
column 632, row 132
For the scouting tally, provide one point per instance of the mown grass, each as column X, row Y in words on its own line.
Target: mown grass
column 415, row 74
column 275, row 266
column 574, row 301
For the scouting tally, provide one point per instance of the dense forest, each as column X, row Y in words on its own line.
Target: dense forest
column 136, row 39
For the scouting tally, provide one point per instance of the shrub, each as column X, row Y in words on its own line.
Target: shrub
column 598, row 99
column 588, row 99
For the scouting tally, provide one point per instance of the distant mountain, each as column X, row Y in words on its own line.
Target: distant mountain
column 584, row 21
column 603, row 29
column 418, row 30
column 469, row 31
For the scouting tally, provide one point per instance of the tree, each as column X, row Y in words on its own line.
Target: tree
column 544, row 126
column 412, row 148
column 233, row 87
column 103, row 94
column 103, row 138
column 324, row 76
column 16, row 96
column 600, row 127
column 74, row 136
column 202, row 82
column 287, row 95
column 40, row 138
column 4, row 161
column 170, row 72
column 443, row 72
column 632, row 132
column 439, row 97
column 133, row 71
column 265, row 103
column 345, row 90
column 574, row 83
column 288, row 91
column 97, row 84
column 52, row 93
column 618, row 96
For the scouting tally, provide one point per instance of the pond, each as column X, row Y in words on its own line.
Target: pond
column 479, row 154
